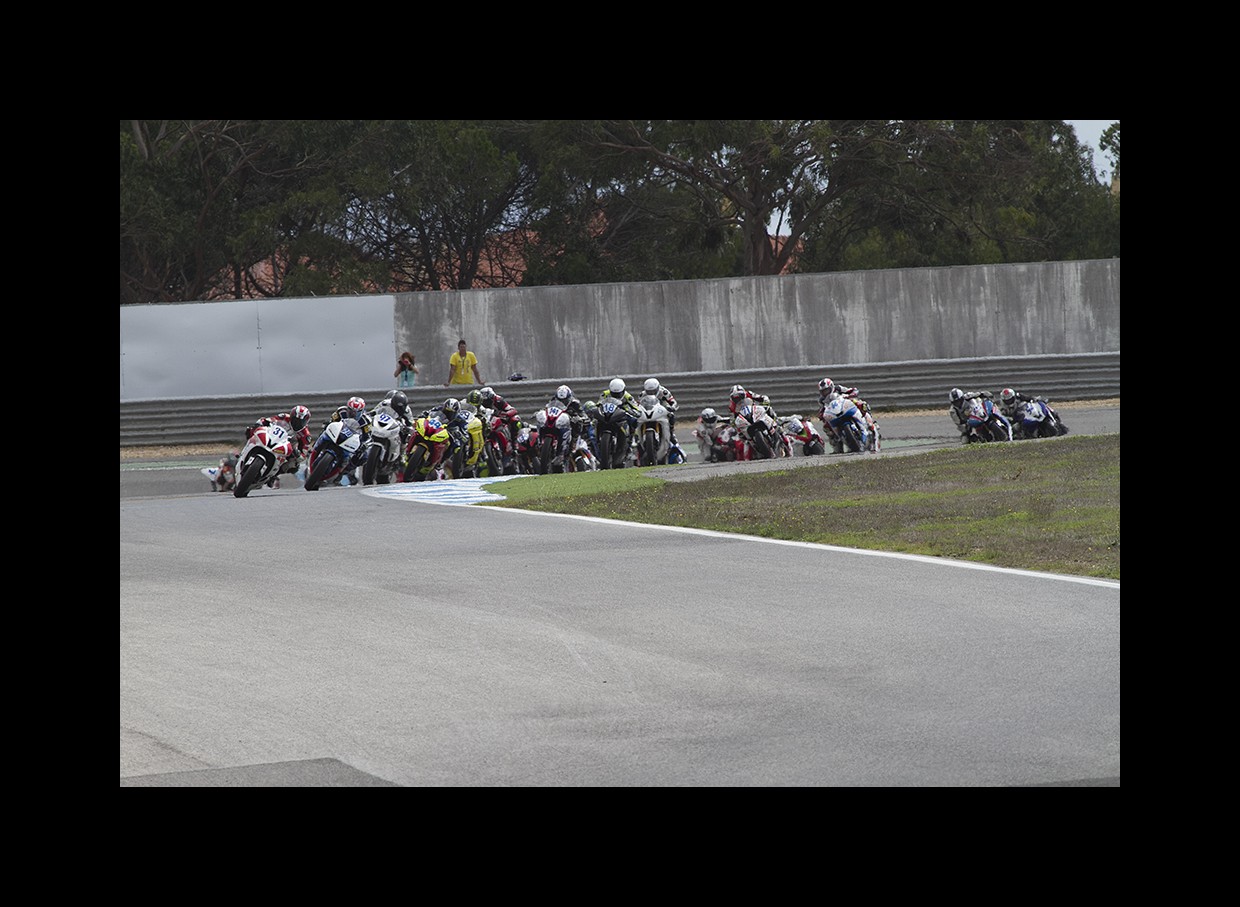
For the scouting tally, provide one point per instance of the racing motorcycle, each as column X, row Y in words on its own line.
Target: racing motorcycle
column 262, row 458
column 383, row 446
column 552, row 422
column 527, row 446
column 654, row 432
column 583, row 458
column 717, row 443
column 612, row 435
column 468, row 450
column 985, row 422
column 799, row 430
column 842, row 415
column 1035, row 419
column 758, row 432
column 496, row 444
column 224, row 476
column 334, row 453
column 428, row 443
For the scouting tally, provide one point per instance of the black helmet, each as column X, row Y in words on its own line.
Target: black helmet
column 399, row 402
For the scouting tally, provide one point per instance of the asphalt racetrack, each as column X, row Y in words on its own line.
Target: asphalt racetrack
column 352, row 637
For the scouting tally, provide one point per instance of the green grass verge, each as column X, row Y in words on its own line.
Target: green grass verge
column 1050, row 505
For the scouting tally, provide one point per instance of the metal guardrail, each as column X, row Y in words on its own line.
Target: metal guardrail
column 887, row 386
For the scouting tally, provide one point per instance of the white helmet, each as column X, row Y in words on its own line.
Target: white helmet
column 709, row 415
column 651, row 386
column 563, row 393
column 616, row 387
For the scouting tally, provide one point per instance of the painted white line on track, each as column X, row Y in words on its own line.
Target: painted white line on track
column 457, row 492
column 469, row 491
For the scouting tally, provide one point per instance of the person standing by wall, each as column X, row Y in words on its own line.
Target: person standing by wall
column 460, row 364
column 406, row 373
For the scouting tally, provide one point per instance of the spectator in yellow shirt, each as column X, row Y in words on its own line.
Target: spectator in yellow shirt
column 460, row 364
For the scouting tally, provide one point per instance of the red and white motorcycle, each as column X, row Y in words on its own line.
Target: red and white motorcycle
column 262, row 457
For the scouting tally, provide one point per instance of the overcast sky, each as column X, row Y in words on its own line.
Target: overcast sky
column 1089, row 132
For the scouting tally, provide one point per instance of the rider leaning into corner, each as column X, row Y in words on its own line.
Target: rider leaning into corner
column 959, row 399
column 296, row 423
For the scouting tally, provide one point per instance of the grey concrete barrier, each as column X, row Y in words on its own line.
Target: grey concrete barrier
column 887, row 386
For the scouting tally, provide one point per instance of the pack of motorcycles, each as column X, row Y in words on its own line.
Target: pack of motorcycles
column 383, row 451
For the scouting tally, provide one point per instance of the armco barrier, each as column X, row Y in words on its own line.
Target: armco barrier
column 887, row 386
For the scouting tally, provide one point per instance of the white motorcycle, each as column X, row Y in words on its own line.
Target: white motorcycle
column 333, row 452
column 755, row 425
column 384, row 446
column 799, row 429
column 654, row 432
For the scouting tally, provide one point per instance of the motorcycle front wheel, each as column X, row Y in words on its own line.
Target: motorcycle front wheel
column 413, row 467
column 604, row 450
column 249, row 478
column 546, row 456
column 370, row 469
column 763, row 446
column 323, row 464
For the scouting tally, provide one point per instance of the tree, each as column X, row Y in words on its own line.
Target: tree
column 1109, row 145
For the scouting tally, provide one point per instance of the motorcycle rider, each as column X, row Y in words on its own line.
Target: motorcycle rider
column 708, row 432
column 959, row 400
column 486, row 397
column 566, row 400
column 738, row 399
column 653, row 388
column 354, row 408
column 396, row 403
column 295, row 422
column 455, row 419
column 826, row 390
column 1010, row 401
column 226, row 472
column 616, row 391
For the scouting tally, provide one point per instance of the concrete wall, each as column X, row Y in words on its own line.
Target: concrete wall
column 769, row 322
column 312, row 345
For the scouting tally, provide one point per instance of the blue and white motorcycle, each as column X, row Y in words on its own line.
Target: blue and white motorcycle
column 842, row 415
column 1035, row 419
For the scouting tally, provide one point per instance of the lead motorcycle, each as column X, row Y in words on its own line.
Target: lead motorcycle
column 262, row 458
column 1035, row 419
column 337, row 450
